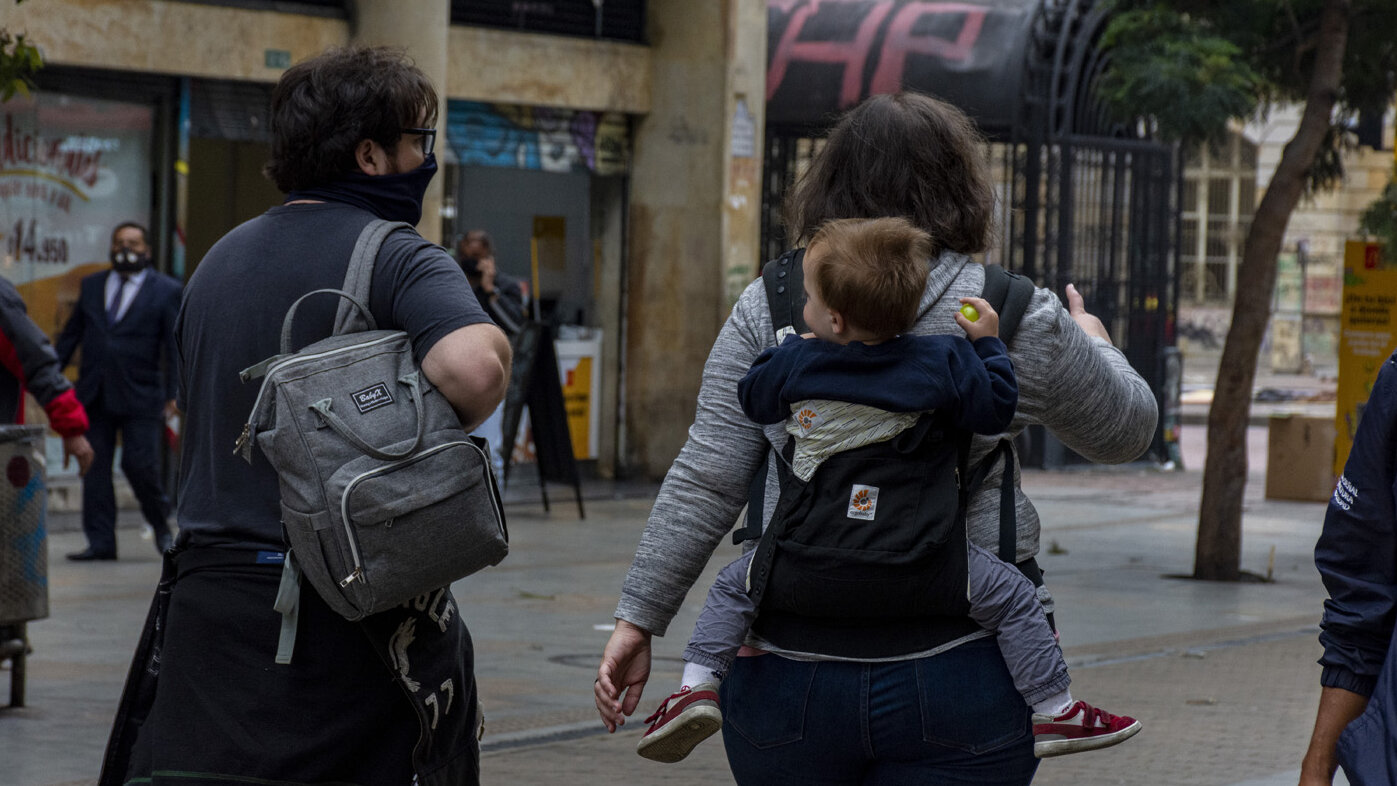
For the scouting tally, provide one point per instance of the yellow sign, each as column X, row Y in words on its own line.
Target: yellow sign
column 577, row 400
column 1367, row 336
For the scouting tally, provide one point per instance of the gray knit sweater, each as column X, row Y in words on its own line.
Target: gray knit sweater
column 1082, row 388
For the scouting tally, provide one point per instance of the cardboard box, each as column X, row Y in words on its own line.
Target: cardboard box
column 1300, row 458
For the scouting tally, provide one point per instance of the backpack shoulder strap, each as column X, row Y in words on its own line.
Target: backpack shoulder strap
column 359, row 275
column 784, row 280
column 760, row 566
column 785, row 293
column 1009, row 294
column 1008, row 521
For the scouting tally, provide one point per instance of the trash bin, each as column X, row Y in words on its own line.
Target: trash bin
column 24, row 589
column 1300, row 458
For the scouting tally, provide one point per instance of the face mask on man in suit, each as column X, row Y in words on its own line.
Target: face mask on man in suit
column 127, row 261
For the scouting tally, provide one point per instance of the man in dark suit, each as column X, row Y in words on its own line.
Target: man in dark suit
column 125, row 321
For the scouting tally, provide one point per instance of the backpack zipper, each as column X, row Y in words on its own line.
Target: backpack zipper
column 246, row 435
column 358, row 572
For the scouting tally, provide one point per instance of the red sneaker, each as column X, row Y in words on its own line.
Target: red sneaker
column 675, row 730
column 1081, row 728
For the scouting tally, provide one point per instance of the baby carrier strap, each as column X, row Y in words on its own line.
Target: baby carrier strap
column 784, row 278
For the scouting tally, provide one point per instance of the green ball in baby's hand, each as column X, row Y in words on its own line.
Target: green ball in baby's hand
column 970, row 312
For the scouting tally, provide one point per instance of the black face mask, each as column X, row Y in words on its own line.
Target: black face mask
column 127, row 261
column 390, row 197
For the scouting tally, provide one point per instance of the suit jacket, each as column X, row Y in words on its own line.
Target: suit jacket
column 129, row 366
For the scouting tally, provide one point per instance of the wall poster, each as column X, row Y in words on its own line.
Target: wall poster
column 71, row 169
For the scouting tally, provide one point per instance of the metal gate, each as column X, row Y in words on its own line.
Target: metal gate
column 1101, row 213
column 1083, row 199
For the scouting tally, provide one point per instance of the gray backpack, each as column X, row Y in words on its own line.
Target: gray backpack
column 384, row 496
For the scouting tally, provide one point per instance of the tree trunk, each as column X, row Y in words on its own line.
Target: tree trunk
column 1219, row 550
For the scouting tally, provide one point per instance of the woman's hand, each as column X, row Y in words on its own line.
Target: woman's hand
column 1088, row 323
column 625, row 667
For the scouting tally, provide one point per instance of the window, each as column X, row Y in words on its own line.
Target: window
column 1217, row 202
column 622, row 20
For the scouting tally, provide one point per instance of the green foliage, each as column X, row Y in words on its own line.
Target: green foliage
column 1327, row 171
column 19, row 61
column 1380, row 219
column 1193, row 65
column 1161, row 61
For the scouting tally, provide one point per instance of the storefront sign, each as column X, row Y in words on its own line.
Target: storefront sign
column 579, row 368
column 1368, row 336
column 71, row 169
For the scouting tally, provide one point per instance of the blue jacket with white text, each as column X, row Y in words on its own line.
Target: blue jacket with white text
column 1357, row 558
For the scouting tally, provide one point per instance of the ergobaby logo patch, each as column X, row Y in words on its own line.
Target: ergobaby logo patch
column 371, row 398
column 808, row 418
column 863, row 502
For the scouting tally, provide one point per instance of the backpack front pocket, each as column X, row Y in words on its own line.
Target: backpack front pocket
column 420, row 523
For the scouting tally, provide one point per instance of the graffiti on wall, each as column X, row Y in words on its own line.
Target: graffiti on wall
column 541, row 138
column 824, row 56
column 814, row 31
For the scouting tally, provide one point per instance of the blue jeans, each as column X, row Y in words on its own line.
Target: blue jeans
column 954, row 718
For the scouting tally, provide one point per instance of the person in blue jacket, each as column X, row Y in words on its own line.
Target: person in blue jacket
column 1356, row 724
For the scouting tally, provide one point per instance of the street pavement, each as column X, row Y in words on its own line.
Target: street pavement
column 1222, row 675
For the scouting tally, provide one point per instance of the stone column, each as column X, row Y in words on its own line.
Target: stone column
column 694, row 211
column 421, row 27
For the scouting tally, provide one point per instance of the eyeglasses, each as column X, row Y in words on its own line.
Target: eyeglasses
column 429, row 138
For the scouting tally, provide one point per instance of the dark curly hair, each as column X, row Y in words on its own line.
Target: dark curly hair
column 323, row 107
column 904, row 154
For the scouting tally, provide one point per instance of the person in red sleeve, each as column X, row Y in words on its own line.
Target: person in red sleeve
column 29, row 363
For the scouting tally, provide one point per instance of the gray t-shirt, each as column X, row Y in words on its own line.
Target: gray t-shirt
column 231, row 319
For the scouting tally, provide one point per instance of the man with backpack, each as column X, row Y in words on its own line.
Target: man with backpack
column 390, row 698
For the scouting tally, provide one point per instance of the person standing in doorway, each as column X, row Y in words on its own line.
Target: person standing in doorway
column 124, row 321
column 500, row 294
column 502, row 297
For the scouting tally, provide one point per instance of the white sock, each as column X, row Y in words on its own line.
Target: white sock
column 1054, row 705
column 695, row 675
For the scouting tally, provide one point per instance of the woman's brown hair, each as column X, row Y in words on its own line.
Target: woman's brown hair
column 907, row 155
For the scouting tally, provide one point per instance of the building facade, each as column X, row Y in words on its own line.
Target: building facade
column 594, row 141
column 1223, row 183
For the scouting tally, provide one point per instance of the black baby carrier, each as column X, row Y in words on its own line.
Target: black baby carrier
column 867, row 559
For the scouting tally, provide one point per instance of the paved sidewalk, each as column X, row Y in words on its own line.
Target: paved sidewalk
column 1222, row 675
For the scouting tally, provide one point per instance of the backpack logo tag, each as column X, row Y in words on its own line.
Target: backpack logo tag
column 808, row 419
column 371, row 398
column 863, row 502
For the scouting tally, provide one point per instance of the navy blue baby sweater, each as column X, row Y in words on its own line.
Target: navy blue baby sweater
column 974, row 382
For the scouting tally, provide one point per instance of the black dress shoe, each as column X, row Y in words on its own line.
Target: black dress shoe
column 88, row 555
